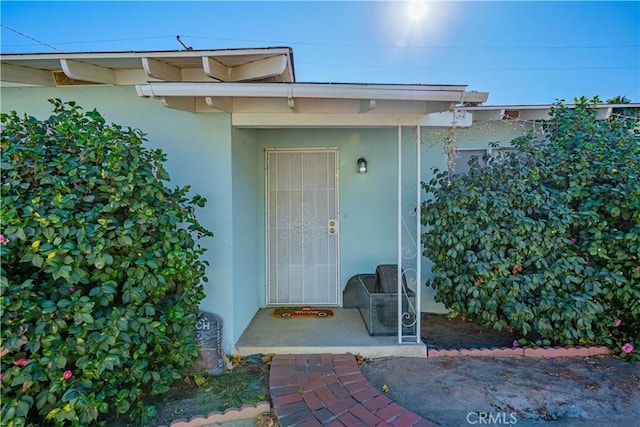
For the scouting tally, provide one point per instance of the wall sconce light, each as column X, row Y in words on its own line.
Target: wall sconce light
column 362, row 165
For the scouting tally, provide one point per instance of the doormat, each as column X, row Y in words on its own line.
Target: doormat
column 312, row 312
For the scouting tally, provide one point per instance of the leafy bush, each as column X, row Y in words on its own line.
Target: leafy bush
column 545, row 240
column 101, row 272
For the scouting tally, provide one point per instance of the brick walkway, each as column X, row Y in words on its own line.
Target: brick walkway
column 330, row 390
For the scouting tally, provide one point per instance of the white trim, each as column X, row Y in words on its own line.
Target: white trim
column 149, row 54
column 540, row 107
column 418, row 307
column 488, row 113
column 369, row 120
column 399, row 261
column 312, row 90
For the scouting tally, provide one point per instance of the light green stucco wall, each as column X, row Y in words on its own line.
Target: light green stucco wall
column 368, row 202
column 226, row 166
column 245, row 213
column 198, row 148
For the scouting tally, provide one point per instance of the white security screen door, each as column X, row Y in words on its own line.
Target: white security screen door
column 302, row 227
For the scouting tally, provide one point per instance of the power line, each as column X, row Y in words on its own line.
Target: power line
column 356, row 45
column 623, row 67
column 30, row 38
column 100, row 41
column 629, row 46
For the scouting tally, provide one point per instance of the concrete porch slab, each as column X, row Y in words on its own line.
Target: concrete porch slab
column 345, row 332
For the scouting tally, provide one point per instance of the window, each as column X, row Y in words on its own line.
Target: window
column 461, row 162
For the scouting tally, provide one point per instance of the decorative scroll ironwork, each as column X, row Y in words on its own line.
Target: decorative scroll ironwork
column 409, row 249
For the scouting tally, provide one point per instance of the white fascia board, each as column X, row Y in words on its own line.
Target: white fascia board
column 545, row 107
column 535, row 112
column 298, row 90
column 304, row 120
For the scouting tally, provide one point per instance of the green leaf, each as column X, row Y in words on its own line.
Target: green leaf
column 107, row 258
column 37, row 260
column 70, row 394
column 125, row 240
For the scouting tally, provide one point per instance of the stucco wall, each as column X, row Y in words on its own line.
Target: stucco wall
column 198, row 148
column 226, row 166
column 368, row 202
column 246, row 218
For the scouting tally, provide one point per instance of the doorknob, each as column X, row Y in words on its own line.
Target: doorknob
column 333, row 226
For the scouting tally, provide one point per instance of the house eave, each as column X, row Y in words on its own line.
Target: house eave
column 318, row 104
column 312, row 90
column 490, row 113
column 129, row 68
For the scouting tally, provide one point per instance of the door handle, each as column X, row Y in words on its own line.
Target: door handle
column 332, row 226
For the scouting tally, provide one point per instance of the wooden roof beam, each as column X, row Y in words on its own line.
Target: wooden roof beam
column 184, row 103
column 161, row 70
column 259, row 69
column 26, row 75
column 88, row 72
column 367, row 105
column 219, row 103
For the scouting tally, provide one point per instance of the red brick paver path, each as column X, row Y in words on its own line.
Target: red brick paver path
column 330, row 390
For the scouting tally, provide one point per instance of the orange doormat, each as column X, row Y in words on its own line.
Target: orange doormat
column 290, row 312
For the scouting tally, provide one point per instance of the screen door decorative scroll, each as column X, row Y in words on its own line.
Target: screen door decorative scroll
column 302, row 227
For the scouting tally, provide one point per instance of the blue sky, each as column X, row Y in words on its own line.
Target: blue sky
column 519, row 52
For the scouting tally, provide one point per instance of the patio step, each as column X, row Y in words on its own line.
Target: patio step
column 330, row 390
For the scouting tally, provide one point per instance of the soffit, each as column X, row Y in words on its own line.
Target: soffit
column 283, row 105
column 533, row 113
column 127, row 68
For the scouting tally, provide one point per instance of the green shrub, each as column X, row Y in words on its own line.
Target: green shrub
column 101, row 272
column 546, row 240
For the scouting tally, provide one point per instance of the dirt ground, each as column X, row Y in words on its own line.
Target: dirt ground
column 586, row 392
column 439, row 331
column 466, row 391
column 598, row 391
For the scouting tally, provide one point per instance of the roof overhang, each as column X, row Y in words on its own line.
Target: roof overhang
column 317, row 104
column 129, row 68
column 492, row 113
column 256, row 86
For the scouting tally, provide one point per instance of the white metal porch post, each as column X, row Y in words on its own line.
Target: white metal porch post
column 399, row 279
column 418, row 236
column 418, row 292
